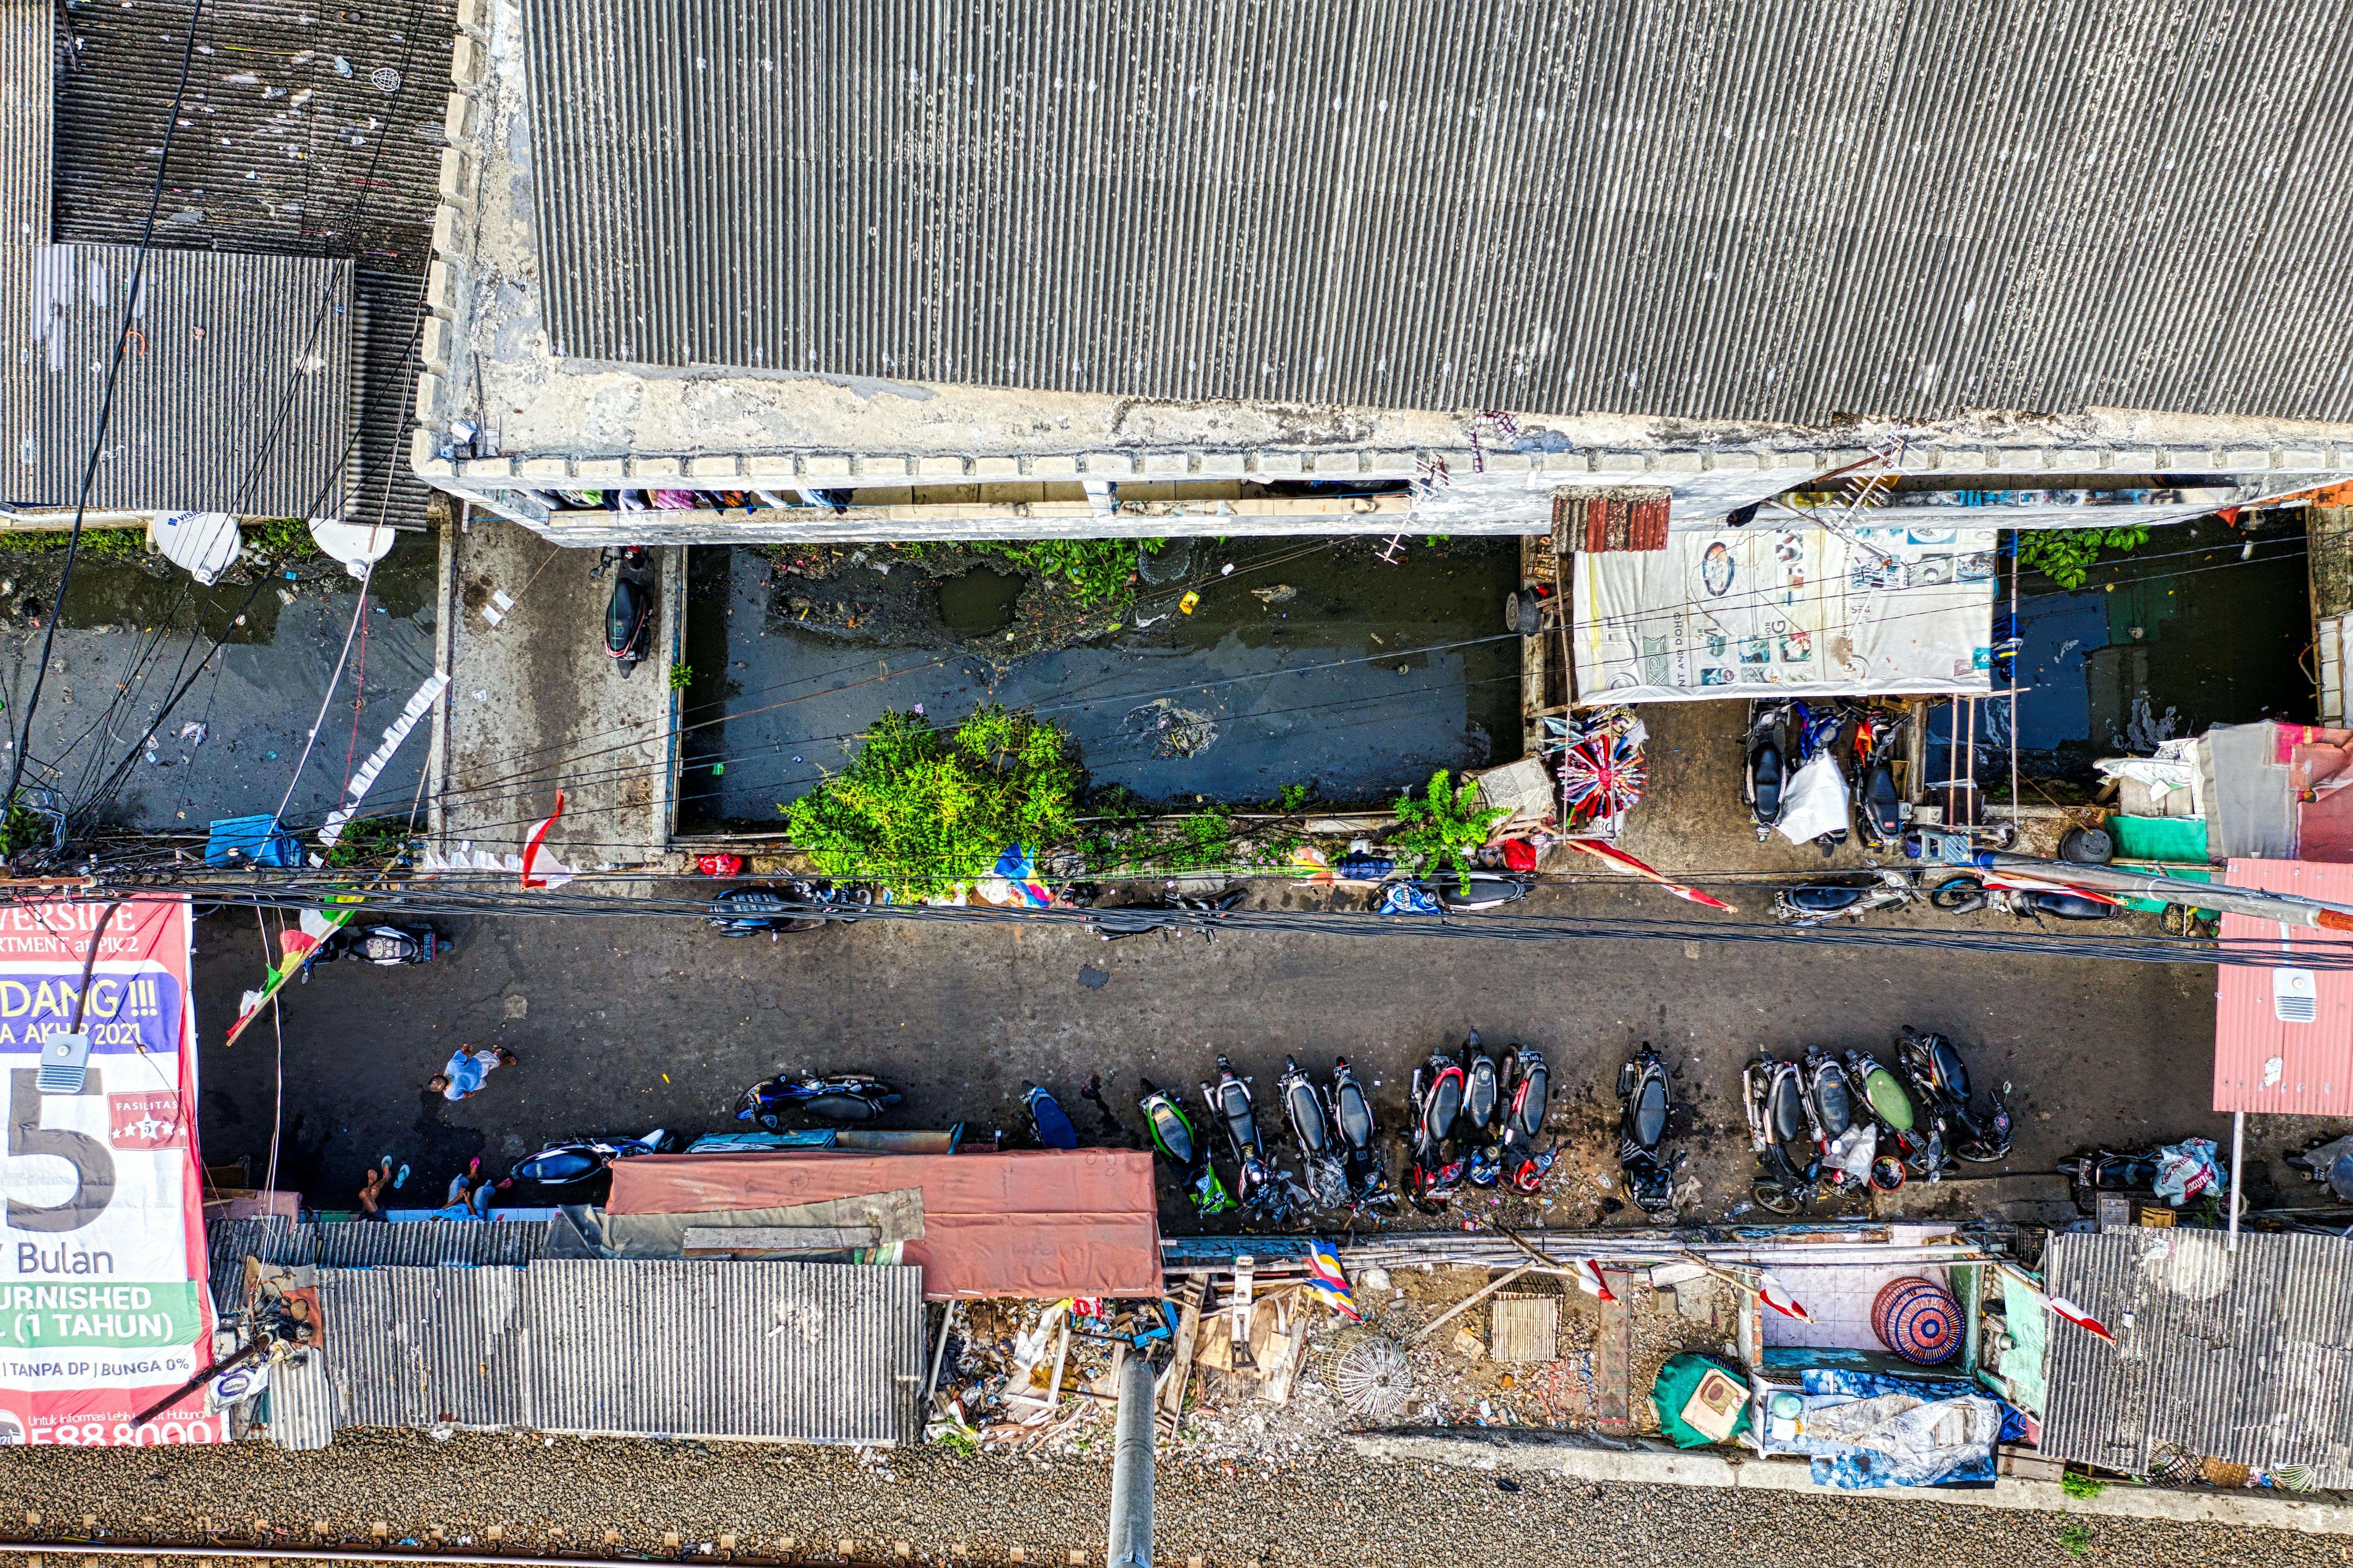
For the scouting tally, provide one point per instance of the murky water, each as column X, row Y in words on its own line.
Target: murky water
column 2190, row 631
column 132, row 636
column 1303, row 666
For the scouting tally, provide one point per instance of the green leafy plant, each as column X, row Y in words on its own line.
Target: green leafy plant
column 23, row 829
column 370, row 841
column 94, row 542
column 2084, row 1487
column 1099, row 571
column 681, row 676
column 921, row 811
column 2065, row 555
column 282, row 539
column 1444, row 824
column 2076, row 1538
column 1291, row 799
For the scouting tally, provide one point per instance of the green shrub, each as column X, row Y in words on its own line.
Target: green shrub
column 681, row 676
column 1444, row 825
column 1099, row 571
column 2076, row 1538
column 2065, row 554
column 94, row 542
column 282, row 539
column 370, row 841
column 2082, row 1486
column 921, row 811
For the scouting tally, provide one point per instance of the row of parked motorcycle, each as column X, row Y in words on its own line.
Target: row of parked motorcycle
column 1794, row 774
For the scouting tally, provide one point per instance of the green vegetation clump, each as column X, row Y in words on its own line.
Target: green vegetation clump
column 2065, row 555
column 94, row 542
column 921, row 811
column 2078, row 1486
column 1099, row 571
column 372, row 841
column 2076, row 1538
column 1444, row 825
column 282, row 539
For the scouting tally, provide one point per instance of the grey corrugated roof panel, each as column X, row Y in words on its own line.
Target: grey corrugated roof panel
column 272, row 1238
column 301, row 1402
column 27, row 72
column 417, row 1347
column 1519, row 203
column 355, row 1244
column 2244, row 1356
column 235, row 397
column 802, row 1351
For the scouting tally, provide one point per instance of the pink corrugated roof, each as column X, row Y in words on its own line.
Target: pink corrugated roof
column 2260, row 1063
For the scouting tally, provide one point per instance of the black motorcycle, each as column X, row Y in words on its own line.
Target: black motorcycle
column 1871, row 762
column 1645, row 1110
column 1527, row 1094
column 630, row 612
column 1981, row 1138
column 387, row 945
column 839, row 1097
column 1842, row 895
column 1771, row 747
column 1482, row 1106
column 1311, row 1129
column 1174, row 913
column 1231, row 1108
column 1772, row 1095
column 570, row 1166
column 1351, row 1113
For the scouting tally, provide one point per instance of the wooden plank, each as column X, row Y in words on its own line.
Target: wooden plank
column 1613, row 1358
column 1468, row 1302
column 1180, row 1370
column 1245, row 1283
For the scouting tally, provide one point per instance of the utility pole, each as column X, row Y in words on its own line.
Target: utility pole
column 1131, row 1465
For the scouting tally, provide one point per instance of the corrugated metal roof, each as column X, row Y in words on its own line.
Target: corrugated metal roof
column 2244, row 1356
column 28, row 53
column 356, row 1245
column 799, row 1352
column 1758, row 209
column 235, row 397
column 2260, row 1062
column 301, row 1402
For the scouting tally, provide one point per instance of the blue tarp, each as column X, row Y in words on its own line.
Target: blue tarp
column 1911, row 1456
column 251, row 841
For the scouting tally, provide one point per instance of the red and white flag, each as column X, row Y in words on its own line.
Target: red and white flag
column 1775, row 1295
column 2080, row 1318
column 1590, row 1280
column 539, row 869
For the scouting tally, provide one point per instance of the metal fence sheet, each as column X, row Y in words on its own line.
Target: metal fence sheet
column 2244, row 1356
column 27, row 59
column 1757, row 209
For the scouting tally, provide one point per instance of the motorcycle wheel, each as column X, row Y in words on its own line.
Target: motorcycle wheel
column 1960, row 896
column 1922, row 1162
column 1774, row 1198
column 1982, row 1153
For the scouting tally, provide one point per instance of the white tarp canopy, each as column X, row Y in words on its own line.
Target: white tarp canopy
column 1805, row 613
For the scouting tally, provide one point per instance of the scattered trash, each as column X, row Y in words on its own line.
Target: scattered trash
column 1227, row 569
column 193, row 733
column 1280, row 594
column 1189, row 603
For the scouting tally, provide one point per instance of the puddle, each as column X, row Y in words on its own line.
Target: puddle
column 128, row 626
column 978, row 602
column 2186, row 633
column 1259, row 688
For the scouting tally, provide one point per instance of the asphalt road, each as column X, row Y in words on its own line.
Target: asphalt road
column 625, row 1025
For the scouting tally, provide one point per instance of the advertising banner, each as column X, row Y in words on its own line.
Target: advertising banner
column 104, row 1307
column 1760, row 612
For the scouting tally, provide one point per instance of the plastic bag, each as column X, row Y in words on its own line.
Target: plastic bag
column 1816, row 800
column 2186, row 1169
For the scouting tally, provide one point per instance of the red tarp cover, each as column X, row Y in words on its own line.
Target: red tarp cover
column 2262, row 1064
column 1040, row 1223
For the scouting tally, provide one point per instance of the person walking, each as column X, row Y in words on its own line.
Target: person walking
column 466, row 1069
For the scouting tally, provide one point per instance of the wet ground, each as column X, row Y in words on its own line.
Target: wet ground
column 2202, row 625
column 142, row 723
column 1313, row 662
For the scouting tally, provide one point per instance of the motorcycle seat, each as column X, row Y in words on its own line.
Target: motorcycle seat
column 1767, row 772
column 1651, row 1114
column 1355, row 1119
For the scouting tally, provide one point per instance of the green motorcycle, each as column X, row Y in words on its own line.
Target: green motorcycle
column 1172, row 1134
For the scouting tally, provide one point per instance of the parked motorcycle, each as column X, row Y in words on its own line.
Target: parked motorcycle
column 1819, row 727
column 2028, row 897
column 629, row 613
column 574, row 1165
column 1231, row 1107
column 841, row 1097
column 1870, row 762
column 1645, row 1106
column 2197, row 1178
column 1311, row 1129
column 1049, row 1122
column 1845, row 1137
column 1351, row 1113
column 1527, row 1088
column 1909, row 1125
column 1772, row 1095
column 1435, row 1170
column 387, row 945
column 1464, row 892
column 1843, row 895
column 1172, row 912
column 1172, row 1134
column 2329, row 1161
column 1979, row 1137
column 1771, row 748
column 1483, row 1104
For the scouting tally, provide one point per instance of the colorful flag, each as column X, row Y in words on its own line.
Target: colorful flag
column 1590, row 1280
column 546, row 871
column 1326, row 1279
column 301, row 946
column 2080, row 1318
column 1620, row 858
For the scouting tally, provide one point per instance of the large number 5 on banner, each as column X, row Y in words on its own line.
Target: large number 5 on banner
column 93, row 1164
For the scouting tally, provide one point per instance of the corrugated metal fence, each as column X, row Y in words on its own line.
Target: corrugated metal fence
column 27, row 52
column 1762, row 209
column 808, row 1352
column 2244, row 1356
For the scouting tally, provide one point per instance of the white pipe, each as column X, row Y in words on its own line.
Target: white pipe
column 2238, row 1147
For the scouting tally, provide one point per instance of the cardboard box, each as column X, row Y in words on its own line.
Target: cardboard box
column 1715, row 1406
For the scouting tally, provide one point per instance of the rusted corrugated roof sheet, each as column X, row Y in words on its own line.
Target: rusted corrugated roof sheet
column 1033, row 1223
column 2244, row 1356
column 787, row 1351
column 28, row 48
column 234, row 397
column 1758, row 209
column 2261, row 1061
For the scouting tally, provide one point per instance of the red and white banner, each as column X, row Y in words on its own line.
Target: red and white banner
column 104, row 1305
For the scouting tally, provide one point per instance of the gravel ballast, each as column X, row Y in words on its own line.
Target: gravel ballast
column 1323, row 1507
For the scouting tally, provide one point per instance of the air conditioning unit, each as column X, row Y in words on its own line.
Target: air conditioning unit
column 2295, row 996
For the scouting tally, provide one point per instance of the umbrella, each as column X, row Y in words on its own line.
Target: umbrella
column 1600, row 775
